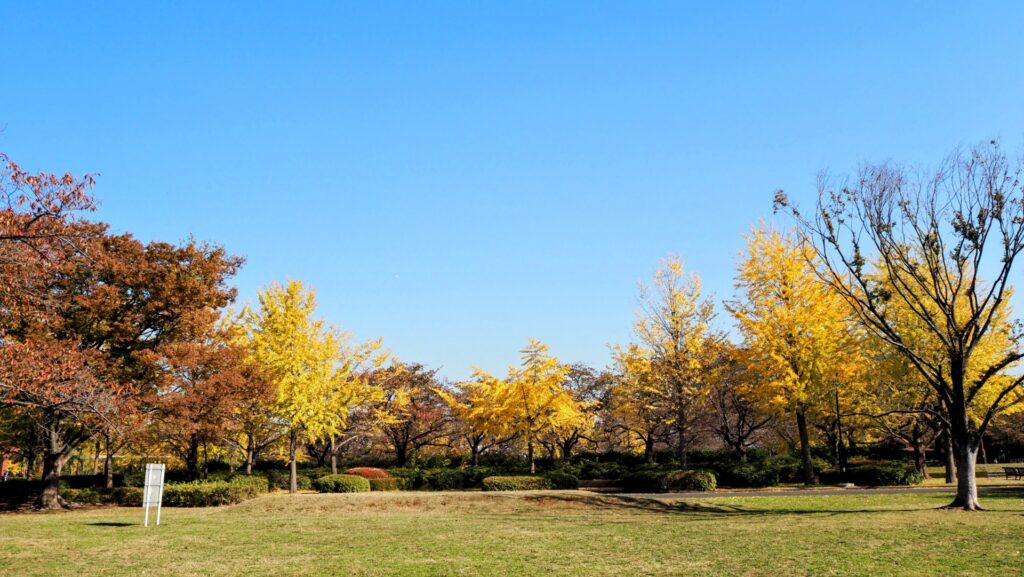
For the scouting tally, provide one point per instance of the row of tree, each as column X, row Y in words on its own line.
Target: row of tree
column 885, row 313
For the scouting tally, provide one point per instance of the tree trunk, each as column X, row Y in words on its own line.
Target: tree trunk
column 108, row 462
column 293, row 475
column 529, row 455
column 947, row 446
column 401, row 454
column 334, row 457
column 683, row 461
column 841, row 455
column 250, row 453
column 192, row 457
column 474, row 452
column 53, row 457
column 649, row 449
column 919, row 451
column 805, row 448
column 966, row 455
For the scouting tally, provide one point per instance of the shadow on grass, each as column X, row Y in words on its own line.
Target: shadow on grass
column 110, row 524
column 664, row 506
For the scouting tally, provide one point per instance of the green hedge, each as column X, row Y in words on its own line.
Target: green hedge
column 194, row 494
column 894, row 473
column 342, row 484
column 649, row 481
column 690, row 481
column 392, row 484
column 562, row 480
column 517, row 483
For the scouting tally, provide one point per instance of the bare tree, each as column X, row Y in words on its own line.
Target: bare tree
column 934, row 237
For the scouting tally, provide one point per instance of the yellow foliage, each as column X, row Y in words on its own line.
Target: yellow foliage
column 317, row 373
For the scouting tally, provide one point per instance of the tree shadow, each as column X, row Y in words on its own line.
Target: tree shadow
column 110, row 524
column 698, row 510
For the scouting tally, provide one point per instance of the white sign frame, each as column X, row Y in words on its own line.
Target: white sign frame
column 153, row 490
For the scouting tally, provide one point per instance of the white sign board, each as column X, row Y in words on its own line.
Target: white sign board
column 153, row 490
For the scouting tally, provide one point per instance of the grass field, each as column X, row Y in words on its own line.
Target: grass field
column 547, row 534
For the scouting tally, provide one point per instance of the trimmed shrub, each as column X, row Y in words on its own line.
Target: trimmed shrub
column 560, row 479
column 127, row 496
column 197, row 493
column 517, row 483
column 342, row 484
column 368, row 472
column 894, row 473
column 445, row 479
column 690, row 481
column 390, row 484
column 87, row 496
column 601, row 470
column 413, row 477
column 649, row 481
column 760, row 474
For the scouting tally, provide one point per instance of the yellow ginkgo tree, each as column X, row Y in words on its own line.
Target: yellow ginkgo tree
column 532, row 400
column 797, row 331
column 318, row 376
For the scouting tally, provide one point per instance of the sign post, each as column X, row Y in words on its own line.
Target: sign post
column 153, row 490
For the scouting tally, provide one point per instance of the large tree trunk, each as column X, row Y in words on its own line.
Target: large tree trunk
column 192, row 457
column 293, row 449
column 529, row 455
column 334, row 457
column 966, row 456
column 649, row 449
column 965, row 453
column 250, row 453
column 53, row 460
column 805, row 448
column 401, row 454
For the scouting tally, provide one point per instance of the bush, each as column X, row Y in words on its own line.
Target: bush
column 282, row 480
column 517, row 483
column 560, row 479
column 127, row 496
column 413, row 477
column 601, row 470
column 87, row 496
column 368, row 472
column 342, row 484
column 760, row 474
column 391, row 484
column 894, row 473
column 648, row 481
column 445, row 479
column 690, row 481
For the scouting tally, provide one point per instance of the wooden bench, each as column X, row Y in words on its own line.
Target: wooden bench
column 1017, row 472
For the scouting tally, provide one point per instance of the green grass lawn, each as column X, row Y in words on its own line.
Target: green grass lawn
column 545, row 534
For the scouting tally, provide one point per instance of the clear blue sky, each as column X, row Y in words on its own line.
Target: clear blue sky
column 458, row 177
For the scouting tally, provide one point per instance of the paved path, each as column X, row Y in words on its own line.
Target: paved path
column 815, row 492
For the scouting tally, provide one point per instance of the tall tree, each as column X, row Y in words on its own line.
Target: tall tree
column 674, row 325
column 795, row 329
column 479, row 418
column 410, row 414
column 317, row 376
column 532, row 397
column 637, row 398
column 105, row 305
column 202, row 388
column 941, row 239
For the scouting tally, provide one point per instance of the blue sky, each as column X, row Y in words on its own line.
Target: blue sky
column 459, row 176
